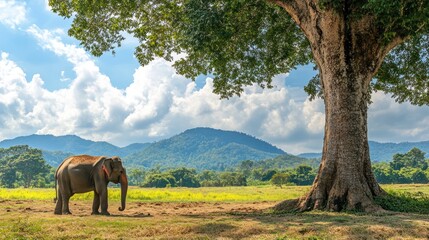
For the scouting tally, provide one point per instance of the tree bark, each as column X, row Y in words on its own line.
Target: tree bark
column 348, row 51
column 345, row 180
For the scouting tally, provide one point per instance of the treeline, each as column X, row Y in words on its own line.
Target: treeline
column 243, row 175
column 411, row 167
column 22, row 166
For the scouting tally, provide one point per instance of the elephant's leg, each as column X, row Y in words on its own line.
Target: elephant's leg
column 59, row 205
column 96, row 204
column 66, row 195
column 66, row 200
column 100, row 185
column 65, row 192
column 102, row 192
column 103, row 202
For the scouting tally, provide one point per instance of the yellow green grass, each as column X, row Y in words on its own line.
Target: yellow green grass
column 207, row 194
column 215, row 194
column 412, row 188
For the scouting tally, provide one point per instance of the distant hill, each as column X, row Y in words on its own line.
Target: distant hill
column 310, row 155
column 56, row 148
column 68, row 143
column 204, row 148
column 200, row 148
column 135, row 147
column 383, row 152
column 54, row 158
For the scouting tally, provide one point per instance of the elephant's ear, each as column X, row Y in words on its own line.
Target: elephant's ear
column 106, row 165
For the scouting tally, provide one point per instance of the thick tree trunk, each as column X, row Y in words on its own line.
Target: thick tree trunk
column 345, row 180
column 348, row 52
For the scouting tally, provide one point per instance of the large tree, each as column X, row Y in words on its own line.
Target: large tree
column 358, row 46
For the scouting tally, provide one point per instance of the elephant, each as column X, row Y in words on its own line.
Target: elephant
column 84, row 173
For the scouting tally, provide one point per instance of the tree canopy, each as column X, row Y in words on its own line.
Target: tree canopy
column 23, row 166
column 245, row 42
column 415, row 158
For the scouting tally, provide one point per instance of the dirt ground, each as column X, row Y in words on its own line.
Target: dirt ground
column 140, row 220
column 34, row 219
column 198, row 208
column 142, row 209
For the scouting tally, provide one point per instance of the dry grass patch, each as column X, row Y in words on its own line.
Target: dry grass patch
column 35, row 220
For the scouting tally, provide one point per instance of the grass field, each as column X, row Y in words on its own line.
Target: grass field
column 215, row 194
column 202, row 213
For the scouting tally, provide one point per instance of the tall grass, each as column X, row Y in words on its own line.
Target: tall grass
column 411, row 188
column 215, row 194
column 205, row 194
column 417, row 202
column 27, row 193
column 411, row 198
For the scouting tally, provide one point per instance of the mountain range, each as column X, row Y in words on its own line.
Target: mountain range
column 383, row 152
column 56, row 148
column 204, row 148
column 200, row 148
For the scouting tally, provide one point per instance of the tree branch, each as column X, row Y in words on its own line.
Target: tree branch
column 297, row 9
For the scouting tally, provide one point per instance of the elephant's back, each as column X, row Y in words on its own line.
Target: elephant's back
column 83, row 159
column 78, row 160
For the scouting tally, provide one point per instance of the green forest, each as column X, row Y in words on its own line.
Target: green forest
column 23, row 166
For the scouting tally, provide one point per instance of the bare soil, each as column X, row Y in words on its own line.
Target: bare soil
column 34, row 219
column 141, row 209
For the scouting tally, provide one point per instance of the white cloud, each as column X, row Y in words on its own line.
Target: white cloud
column 12, row 13
column 47, row 7
column 63, row 77
column 389, row 121
column 50, row 40
column 314, row 114
column 18, row 99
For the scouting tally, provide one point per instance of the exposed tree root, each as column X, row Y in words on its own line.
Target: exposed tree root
column 307, row 203
column 290, row 205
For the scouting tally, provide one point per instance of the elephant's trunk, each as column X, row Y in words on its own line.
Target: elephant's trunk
column 124, row 188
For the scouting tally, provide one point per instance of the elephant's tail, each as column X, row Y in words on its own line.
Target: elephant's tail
column 56, row 179
column 56, row 191
column 56, row 183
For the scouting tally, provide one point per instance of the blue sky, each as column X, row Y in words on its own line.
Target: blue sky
column 31, row 56
column 50, row 85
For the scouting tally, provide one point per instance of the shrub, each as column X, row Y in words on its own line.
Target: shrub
column 405, row 202
column 160, row 181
